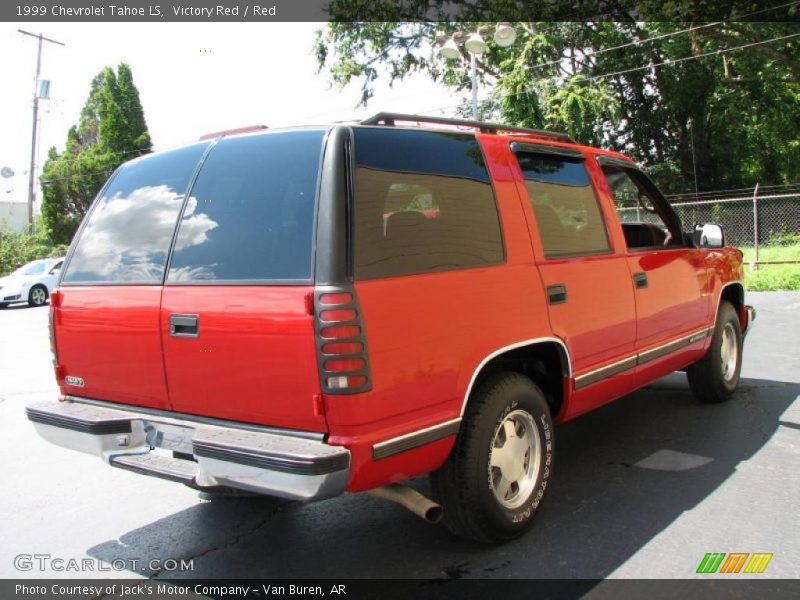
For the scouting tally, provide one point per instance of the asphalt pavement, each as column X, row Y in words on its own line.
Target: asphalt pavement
column 643, row 487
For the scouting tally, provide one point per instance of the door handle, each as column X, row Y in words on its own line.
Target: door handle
column 184, row 325
column 640, row 280
column 557, row 294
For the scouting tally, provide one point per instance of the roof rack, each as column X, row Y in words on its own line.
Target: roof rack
column 237, row 131
column 388, row 119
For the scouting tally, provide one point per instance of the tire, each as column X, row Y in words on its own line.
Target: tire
column 715, row 377
column 470, row 487
column 37, row 296
column 4, row 304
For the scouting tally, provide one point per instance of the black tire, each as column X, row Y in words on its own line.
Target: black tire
column 712, row 379
column 37, row 296
column 465, row 484
column 4, row 304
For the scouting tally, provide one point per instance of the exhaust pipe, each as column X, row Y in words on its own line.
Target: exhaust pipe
column 411, row 499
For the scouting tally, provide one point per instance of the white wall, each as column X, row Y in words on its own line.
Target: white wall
column 13, row 215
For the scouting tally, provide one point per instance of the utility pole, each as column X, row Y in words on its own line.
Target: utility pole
column 31, row 171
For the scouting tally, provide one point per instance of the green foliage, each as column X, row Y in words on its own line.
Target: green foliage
column 677, row 102
column 19, row 248
column 111, row 130
column 766, row 278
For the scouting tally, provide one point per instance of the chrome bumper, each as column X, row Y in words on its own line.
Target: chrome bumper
column 263, row 462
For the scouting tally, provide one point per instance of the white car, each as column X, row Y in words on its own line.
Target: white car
column 31, row 283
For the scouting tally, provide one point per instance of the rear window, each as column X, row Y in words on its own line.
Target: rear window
column 127, row 234
column 423, row 203
column 250, row 216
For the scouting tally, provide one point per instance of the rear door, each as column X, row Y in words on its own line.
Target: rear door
column 108, row 341
column 588, row 284
column 237, row 334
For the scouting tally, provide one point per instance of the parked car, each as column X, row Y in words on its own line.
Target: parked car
column 32, row 283
column 304, row 312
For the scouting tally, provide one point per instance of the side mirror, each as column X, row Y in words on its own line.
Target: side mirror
column 709, row 235
column 55, row 271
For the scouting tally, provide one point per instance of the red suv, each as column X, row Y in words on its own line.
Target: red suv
column 304, row 312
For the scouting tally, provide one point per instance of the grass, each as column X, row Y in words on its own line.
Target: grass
column 768, row 278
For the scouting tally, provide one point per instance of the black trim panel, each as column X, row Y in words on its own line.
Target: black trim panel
column 171, row 469
column 139, row 411
column 414, row 440
column 581, row 381
column 105, row 427
column 545, row 149
column 296, row 465
column 604, row 372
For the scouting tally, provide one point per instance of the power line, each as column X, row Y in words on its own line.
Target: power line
column 667, row 62
column 675, row 61
column 664, row 35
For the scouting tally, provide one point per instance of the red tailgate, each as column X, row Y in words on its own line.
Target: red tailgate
column 253, row 357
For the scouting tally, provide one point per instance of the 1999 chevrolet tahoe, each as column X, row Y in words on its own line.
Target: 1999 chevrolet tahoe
column 311, row 311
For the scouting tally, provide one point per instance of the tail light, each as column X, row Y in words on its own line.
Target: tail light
column 341, row 341
column 55, row 302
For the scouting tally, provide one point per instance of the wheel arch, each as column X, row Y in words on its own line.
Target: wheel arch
column 733, row 292
column 545, row 360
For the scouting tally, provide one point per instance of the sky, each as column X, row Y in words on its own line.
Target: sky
column 193, row 78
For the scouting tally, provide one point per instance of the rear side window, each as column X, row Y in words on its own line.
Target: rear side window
column 565, row 206
column 423, row 203
column 250, row 215
column 127, row 235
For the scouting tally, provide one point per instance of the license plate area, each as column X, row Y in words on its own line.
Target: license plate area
column 168, row 437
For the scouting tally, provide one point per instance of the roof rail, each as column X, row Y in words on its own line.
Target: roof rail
column 388, row 119
column 238, row 130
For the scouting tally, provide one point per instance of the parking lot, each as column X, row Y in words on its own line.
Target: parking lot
column 643, row 487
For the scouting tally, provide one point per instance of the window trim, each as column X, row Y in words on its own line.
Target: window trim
column 576, row 156
column 637, row 175
column 351, row 199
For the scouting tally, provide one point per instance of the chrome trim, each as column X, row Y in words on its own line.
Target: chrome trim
column 639, row 358
column 604, row 372
column 504, row 349
column 415, row 439
column 263, row 462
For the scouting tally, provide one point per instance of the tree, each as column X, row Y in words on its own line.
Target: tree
column 678, row 97
column 111, row 130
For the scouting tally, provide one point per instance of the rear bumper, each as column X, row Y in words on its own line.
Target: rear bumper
column 264, row 462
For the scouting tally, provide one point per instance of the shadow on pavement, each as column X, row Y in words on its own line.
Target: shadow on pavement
column 623, row 473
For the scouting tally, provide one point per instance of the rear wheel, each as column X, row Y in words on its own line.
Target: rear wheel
column 715, row 377
column 496, row 476
column 37, row 296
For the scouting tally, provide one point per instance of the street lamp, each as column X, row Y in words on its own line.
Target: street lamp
column 475, row 45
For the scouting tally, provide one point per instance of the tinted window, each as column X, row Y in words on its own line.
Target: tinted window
column 423, row 203
column 250, row 216
column 645, row 220
column 564, row 204
column 128, row 232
